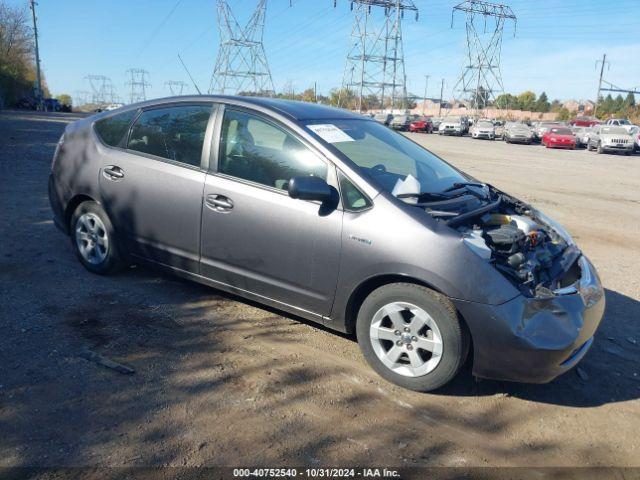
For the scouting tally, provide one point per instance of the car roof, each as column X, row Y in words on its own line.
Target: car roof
column 296, row 110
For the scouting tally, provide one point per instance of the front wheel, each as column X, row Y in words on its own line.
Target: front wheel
column 412, row 336
column 599, row 148
column 93, row 239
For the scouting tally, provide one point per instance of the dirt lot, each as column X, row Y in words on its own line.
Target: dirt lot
column 219, row 381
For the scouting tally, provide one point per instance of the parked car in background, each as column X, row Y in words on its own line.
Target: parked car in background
column 515, row 132
column 452, row 125
column 584, row 122
column 483, row 129
column 582, row 135
column 421, row 124
column 401, row 122
column 383, row 118
column 619, row 122
column 287, row 204
column 559, row 137
column 436, row 121
column 51, row 105
column 542, row 128
column 611, row 138
column 635, row 131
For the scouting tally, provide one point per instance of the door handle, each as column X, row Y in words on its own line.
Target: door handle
column 219, row 203
column 113, row 172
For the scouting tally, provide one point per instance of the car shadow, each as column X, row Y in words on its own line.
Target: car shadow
column 609, row 373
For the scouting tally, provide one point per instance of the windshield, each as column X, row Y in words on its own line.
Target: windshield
column 452, row 119
column 561, row 131
column 388, row 157
column 485, row 124
column 615, row 130
column 623, row 122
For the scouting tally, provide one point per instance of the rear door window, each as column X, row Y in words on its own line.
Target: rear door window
column 112, row 130
column 174, row 133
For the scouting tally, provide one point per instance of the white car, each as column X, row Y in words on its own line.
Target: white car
column 608, row 138
column 620, row 122
column 452, row 125
column 635, row 131
column 483, row 129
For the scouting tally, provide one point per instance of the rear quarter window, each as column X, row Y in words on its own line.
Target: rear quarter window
column 111, row 130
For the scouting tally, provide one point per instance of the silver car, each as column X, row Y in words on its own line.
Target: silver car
column 483, row 129
column 330, row 216
column 515, row 132
column 606, row 138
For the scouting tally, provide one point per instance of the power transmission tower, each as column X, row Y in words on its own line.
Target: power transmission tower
column 375, row 64
column 138, row 85
column 81, row 97
column 481, row 78
column 38, row 85
column 176, row 87
column 102, row 91
column 241, row 65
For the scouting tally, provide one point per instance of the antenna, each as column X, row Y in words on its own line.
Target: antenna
column 241, row 65
column 375, row 67
column 481, row 77
column 188, row 73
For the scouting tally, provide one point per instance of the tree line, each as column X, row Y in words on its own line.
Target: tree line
column 17, row 64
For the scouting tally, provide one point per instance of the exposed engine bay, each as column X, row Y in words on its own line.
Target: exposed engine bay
column 509, row 234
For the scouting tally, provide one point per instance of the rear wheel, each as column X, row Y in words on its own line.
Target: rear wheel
column 599, row 148
column 93, row 239
column 412, row 336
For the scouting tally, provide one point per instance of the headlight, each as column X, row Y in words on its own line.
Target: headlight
column 559, row 229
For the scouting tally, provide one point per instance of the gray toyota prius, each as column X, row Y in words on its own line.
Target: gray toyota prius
column 333, row 217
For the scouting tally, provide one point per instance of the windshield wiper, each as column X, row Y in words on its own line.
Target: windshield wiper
column 424, row 195
column 459, row 185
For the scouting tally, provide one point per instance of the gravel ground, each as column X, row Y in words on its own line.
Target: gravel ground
column 220, row 381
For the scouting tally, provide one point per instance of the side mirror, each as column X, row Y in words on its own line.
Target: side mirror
column 310, row 188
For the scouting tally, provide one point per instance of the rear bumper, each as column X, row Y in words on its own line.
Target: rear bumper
column 535, row 340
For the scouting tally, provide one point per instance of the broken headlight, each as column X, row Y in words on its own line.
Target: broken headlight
column 559, row 229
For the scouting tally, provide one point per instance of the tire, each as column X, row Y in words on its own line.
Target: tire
column 427, row 371
column 599, row 149
column 94, row 240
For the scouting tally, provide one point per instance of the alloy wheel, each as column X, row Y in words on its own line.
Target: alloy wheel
column 91, row 238
column 406, row 339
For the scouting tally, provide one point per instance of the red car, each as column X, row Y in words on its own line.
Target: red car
column 559, row 137
column 423, row 124
column 585, row 122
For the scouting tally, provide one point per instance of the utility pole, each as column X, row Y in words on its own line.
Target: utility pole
column 604, row 61
column 426, row 84
column 440, row 102
column 38, row 86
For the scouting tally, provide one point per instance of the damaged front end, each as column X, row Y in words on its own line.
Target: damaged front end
column 547, row 329
column 532, row 251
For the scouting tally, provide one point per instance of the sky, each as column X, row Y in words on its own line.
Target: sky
column 553, row 48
